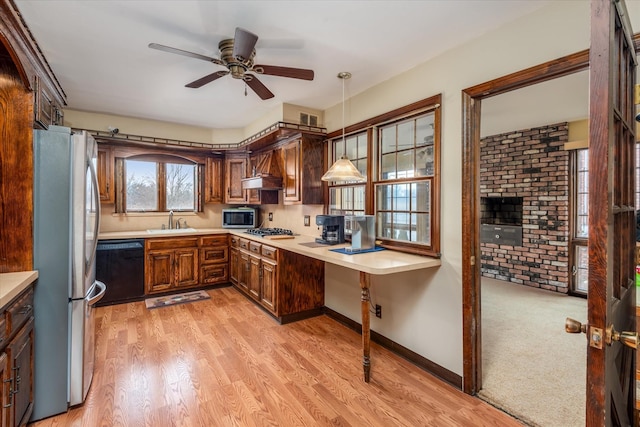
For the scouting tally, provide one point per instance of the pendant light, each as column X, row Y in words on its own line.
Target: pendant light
column 343, row 170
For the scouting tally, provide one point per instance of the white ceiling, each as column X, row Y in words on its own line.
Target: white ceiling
column 98, row 49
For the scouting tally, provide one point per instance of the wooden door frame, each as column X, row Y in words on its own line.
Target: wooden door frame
column 471, row 108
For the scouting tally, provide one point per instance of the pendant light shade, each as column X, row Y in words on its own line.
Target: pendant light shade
column 343, row 170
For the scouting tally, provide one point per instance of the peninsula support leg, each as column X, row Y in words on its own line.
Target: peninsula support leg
column 366, row 331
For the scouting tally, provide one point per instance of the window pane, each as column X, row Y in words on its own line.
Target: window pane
column 388, row 166
column 338, row 150
column 180, row 186
column 362, row 145
column 405, row 135
column 424, row 130
column 424, row 161
column 582, row 268
column 384, row 223
column 420, row 228
column 142, row 186
column 352, row 148
column 405, row 164
column 388, row 139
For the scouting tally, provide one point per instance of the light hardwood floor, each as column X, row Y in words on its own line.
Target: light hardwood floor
column 224, row 362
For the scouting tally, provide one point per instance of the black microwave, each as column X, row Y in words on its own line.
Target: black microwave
column 240, row 218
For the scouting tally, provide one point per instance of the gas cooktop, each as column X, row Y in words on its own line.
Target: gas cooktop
column 269, row 232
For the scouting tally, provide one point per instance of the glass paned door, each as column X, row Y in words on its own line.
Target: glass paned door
column 579, row 280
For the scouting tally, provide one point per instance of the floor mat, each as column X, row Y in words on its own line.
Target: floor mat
column 176, row 299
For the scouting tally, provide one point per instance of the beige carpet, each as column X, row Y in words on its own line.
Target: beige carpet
column 533, row 369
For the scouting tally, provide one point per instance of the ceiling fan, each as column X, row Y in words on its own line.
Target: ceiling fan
column 237, row 55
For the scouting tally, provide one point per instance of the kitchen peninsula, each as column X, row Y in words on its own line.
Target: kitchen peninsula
column 367, row 264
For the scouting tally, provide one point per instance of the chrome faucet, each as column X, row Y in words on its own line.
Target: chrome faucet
column 170, row 220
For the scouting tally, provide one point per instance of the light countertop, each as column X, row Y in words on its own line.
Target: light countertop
column 382, row 262
column 12, row 284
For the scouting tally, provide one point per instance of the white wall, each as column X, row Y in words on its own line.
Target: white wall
column 423, row 311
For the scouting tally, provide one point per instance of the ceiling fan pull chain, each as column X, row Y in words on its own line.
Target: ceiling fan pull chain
column 245, row 88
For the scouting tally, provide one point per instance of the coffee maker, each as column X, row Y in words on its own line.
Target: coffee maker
column 362, row 229
column 332, row 229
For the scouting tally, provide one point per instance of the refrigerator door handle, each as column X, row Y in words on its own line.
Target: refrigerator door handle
column 91, row 300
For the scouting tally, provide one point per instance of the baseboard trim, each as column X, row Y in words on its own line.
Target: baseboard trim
column 413, row 357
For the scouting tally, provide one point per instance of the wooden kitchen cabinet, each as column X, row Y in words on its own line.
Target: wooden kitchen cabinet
column 104, row 166
column 5, row 391
column 303, row 163
column 20, row 354
column 269, row 280
column 214, row 259
column 214, row 180
column 234, row 259
column 235, row 167
column 170, row 264
column 16, row 360
column 287, row 285
column 46, row 110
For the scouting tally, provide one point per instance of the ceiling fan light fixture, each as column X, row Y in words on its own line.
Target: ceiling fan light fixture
column 343, row 170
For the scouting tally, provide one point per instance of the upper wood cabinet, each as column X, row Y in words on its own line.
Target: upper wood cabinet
column 235, row 169
column 46, row 110
column 303, row 166
column 214, row 180
column 104, row 170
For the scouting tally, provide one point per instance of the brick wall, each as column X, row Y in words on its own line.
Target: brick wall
column 530, row 164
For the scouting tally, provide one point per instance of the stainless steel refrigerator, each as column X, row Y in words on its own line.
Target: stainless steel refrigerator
column 66, row 222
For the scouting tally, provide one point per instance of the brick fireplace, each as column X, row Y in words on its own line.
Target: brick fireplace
column 524, row 186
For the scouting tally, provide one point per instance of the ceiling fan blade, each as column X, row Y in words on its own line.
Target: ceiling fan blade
column 274, row 70
column 257, row 86
column 243, row 44
column 185, row 53
column 207, row 79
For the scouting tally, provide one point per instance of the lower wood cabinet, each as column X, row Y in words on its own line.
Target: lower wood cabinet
column 287, row 285
column 214, row 259
column 176, row 263
column 170, row 263
column 16, row 361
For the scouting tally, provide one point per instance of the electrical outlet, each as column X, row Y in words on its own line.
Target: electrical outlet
column 270, row 216
column 307, row 220
column 379, row 311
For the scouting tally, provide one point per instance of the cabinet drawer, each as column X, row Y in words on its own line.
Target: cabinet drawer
column 269, row 252
column 254, row 248
column 220, row 240
column 214, row 255
column 234, row 241
column 214, row 273
column 19, row 312
column 244, row 244
column 152, row 244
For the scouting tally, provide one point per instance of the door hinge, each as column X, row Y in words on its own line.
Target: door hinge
column 473, row 260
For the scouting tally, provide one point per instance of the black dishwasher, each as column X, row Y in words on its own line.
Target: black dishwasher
column 120, row 265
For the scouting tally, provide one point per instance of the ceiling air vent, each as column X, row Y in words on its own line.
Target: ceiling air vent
column 308, row 119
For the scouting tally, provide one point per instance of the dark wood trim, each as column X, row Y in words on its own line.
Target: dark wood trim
column 537, row 74
column 471, row 107
column 418, row 360
column 390, row 115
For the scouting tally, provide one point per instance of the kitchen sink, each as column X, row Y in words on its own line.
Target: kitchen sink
column 171, row 231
